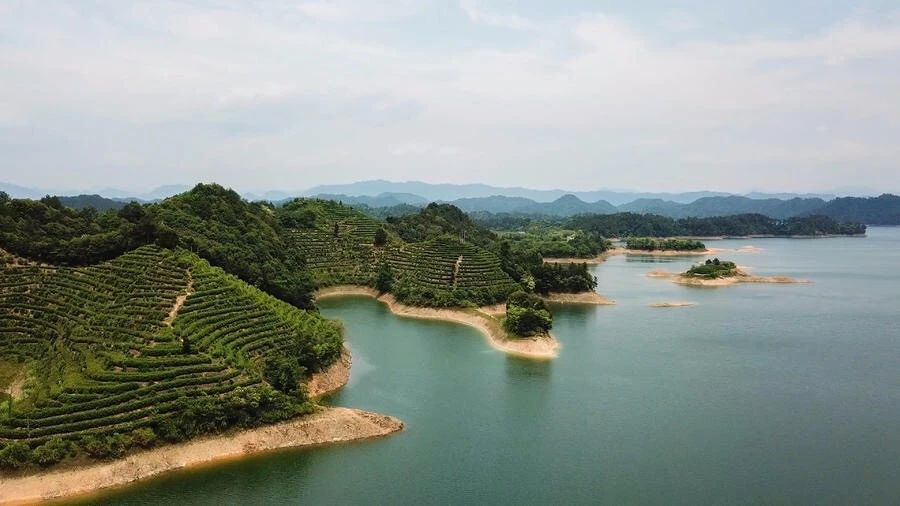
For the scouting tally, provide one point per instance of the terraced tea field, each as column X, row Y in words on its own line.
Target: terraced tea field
column 106, row 356
column 339, row 249
column 446, row 264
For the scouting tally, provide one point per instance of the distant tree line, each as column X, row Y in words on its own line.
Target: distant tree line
column 654, row 244
column 648, row 225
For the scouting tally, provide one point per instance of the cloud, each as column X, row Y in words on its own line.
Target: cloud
column 510, row 21
column 322, row 10
column 308, row 93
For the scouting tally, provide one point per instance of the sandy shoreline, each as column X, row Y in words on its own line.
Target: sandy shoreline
column 484, row 319
column 578, row 298
column 740, row 277
column 599, row 259
column 325, row 426
column 328, row 425
column 673, row 304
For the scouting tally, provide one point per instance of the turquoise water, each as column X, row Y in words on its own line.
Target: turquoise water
column 777, row 394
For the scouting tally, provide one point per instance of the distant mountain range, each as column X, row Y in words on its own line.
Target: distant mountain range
column 883, row 210
column 387, row 199
column 450, row 192
column 159, row 193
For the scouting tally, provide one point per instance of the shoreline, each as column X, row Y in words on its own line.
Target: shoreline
column 602, row 257
column 578, row 298
column 335, row 377
column 326, row 426
column 672, row 304
column 483, row 319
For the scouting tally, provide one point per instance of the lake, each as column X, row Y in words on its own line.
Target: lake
column 779, row 394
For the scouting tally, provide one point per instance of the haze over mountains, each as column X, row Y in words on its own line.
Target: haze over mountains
column 413, row 192
column 474, row 198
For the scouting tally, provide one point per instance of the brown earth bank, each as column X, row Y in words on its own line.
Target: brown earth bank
column 332, row 378
column 485, row 319
column 741, row 276
column 327, row 425
column 578, row 298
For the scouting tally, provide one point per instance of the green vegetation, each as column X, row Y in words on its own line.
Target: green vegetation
column 337, row 241
column 422, row 259
column 446, row 272
column 629, row 224
column 654, row 244
column 881, row 210
column 109, row 371
column 563, row 278
column 527, row 315
column 553, row 242
column 650, row 225
column 246, row 239
column 712, row 269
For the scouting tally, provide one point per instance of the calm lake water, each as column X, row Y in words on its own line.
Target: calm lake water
column 776, row 394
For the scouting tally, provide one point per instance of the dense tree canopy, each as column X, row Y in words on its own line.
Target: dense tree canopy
column 527, row 315
column 243, row 238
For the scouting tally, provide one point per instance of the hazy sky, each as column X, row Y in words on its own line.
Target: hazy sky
column 772, row 95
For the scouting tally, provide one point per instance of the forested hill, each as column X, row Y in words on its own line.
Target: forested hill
column 246, row 239
column 629, row 224
column 435, row 257
column 882, row 210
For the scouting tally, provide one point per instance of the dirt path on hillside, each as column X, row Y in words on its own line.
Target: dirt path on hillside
column 456, row 270
column 179, row 301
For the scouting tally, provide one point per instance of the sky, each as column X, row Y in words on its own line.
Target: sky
column 261, row 95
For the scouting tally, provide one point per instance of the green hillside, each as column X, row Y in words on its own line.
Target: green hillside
column 435, row 269
column 448, row 272
column 153, row 345
column 336, row 241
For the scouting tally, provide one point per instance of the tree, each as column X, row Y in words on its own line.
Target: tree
column 385, row 280
column 284, row 373
column 15, row 456
column 380, row 237
column 185, row 345
column 527, row 315
column 337, row 229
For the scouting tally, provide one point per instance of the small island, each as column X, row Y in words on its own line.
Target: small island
column 655, row 246
column 715, row 272
column 713, row 269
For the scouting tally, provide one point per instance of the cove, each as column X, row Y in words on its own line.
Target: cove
column 758, row 393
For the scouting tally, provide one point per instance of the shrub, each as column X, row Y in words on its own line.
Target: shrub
column 380, row 237
column 15, row 456
column 53, row 451
column 385, row 280
column 104, row 447
column 144, row 437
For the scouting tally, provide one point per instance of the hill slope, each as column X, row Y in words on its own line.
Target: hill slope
column 432, row 257
column 153, row 344
column 882, row 210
